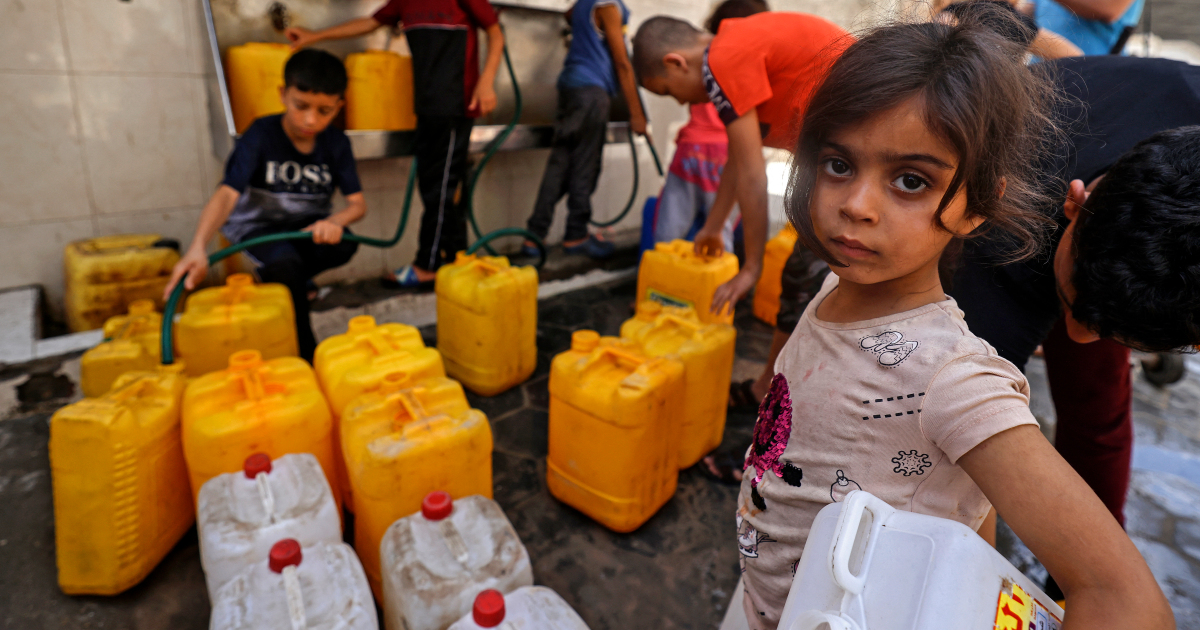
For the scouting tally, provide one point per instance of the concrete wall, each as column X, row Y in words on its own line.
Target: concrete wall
column 104, row 129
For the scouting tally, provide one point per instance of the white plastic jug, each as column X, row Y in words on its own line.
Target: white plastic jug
column 869, row 566
column 241, row 515
column 321, row 587
column 436, row 561
column 527, row 608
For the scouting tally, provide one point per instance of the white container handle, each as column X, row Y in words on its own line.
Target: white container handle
column 814, row 619
column 854, row 508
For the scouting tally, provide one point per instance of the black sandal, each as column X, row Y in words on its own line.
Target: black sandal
column 741, row 395
column 726, row 462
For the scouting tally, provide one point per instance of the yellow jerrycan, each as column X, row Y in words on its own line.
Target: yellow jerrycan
column 674, row 275
column 355, row 362
column 766, row 292
column 403, row 441
column 614, row 422
column 104, row 275
column 242, row 315
column 379, row 94
column 706, row 351
column 487, row 322
column 131, row 343
column 254, row 75
column 121, row 496
column 255, row 406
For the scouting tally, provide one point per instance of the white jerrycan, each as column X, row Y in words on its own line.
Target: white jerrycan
column 241, row 515
column 320, row 587
column 869, row 566
column 436, row 561
column 527, row 608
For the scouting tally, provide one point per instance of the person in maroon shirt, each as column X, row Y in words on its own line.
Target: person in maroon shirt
column 449, row 92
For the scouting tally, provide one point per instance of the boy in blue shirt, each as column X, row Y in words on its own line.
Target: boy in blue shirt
column 280, row 178
column 597, row 65
column 1098, row 27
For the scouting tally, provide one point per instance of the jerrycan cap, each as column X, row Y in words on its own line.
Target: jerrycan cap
column 360, row 323
column 488, row 611
column 255, row 464
column 245, row 360
column 141, row 307
column 437, row 505
column 239, row 280
column 285, row 553
column 647, row 310
column 584, row 340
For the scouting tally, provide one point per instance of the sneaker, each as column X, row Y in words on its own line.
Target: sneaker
column 406, row 278
column 593, row 247
column 530, row 251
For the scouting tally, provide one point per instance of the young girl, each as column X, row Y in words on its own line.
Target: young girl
column 921, row 134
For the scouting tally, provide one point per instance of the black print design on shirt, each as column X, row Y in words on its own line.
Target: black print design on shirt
column 841, row 487
column 910, row 463
column 898, row 412
column 889, row 347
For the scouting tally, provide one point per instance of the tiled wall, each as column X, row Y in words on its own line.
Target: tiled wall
column 104, row 129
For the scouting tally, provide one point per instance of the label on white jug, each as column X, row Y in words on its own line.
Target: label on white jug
column 1017, row 610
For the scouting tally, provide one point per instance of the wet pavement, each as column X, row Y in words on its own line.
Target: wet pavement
column 676, row 571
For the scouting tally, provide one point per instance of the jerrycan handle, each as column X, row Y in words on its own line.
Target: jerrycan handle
column 861, row 517
column 616, row 355
column 411, row 405
column 677, row 321
column 476, row 262
column 135, row 389
column 814, row 619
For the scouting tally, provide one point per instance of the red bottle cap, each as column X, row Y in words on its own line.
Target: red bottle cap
column 285, row 553
column 257, row 463
column 489, row 609
column 437, row 505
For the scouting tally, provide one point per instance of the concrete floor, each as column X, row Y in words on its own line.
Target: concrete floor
column 677, row 571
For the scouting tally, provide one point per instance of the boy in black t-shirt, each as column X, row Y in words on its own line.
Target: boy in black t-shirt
column 280, row 178
column 449, row 92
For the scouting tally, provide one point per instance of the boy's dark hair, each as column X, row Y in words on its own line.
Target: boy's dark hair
column 734, row 9
column 313, row 70
column 1137, row 246
column 978, row 97
column 657, row 37
column 998, row 15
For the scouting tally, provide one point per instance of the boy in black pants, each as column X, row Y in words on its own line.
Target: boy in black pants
column 280, row 178
column 449, row 92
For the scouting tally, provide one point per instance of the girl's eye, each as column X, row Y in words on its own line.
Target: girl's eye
column 837, row 167
column 910, row 183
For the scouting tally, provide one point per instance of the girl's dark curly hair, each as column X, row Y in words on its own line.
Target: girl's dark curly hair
column 979, row 97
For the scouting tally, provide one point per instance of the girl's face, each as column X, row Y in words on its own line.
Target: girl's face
column 876, row 191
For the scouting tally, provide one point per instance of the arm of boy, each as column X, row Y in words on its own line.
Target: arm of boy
column 750, row 187
column 328, row 231
column 1107, row 11
column 1055, row 513
column 193, row 266
column 609, row 17
column 1051, row 45
column 484, row 98
column 301, row 37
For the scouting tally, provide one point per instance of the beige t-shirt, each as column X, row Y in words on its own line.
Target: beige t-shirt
column 886, row 405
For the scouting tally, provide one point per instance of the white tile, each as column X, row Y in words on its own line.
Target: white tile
column 212, row 167
column 140, row 140
column 135, row 36
column 32, row 38
column 33, row 255
column 18, row 324
column 40, row 154
column 176, row 223
column 66, row 344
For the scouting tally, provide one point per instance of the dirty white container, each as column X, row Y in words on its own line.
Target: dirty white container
column 527, row 608
column 869, row 566
column 320, row 587
column 241, row 515
column 436, row 561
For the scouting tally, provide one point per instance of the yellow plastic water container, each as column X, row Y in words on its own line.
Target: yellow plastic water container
column 242, row 315
column 403, row 441
column 254, row 76
column 121, row 495
column 255, row 406
column 707, row 354
column 487, row 322
column 131, row 344
column 353, row 363
column 766, row 292
column 379, row 94
column 614, row 422
column 674, row 275
column 104, row 275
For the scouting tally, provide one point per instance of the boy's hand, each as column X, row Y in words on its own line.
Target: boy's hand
column 192, row 268
column 483, row 100
column 325, row 232
column 300, row 37
column 637, row 123
column 730, row 293
column 708, row 242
